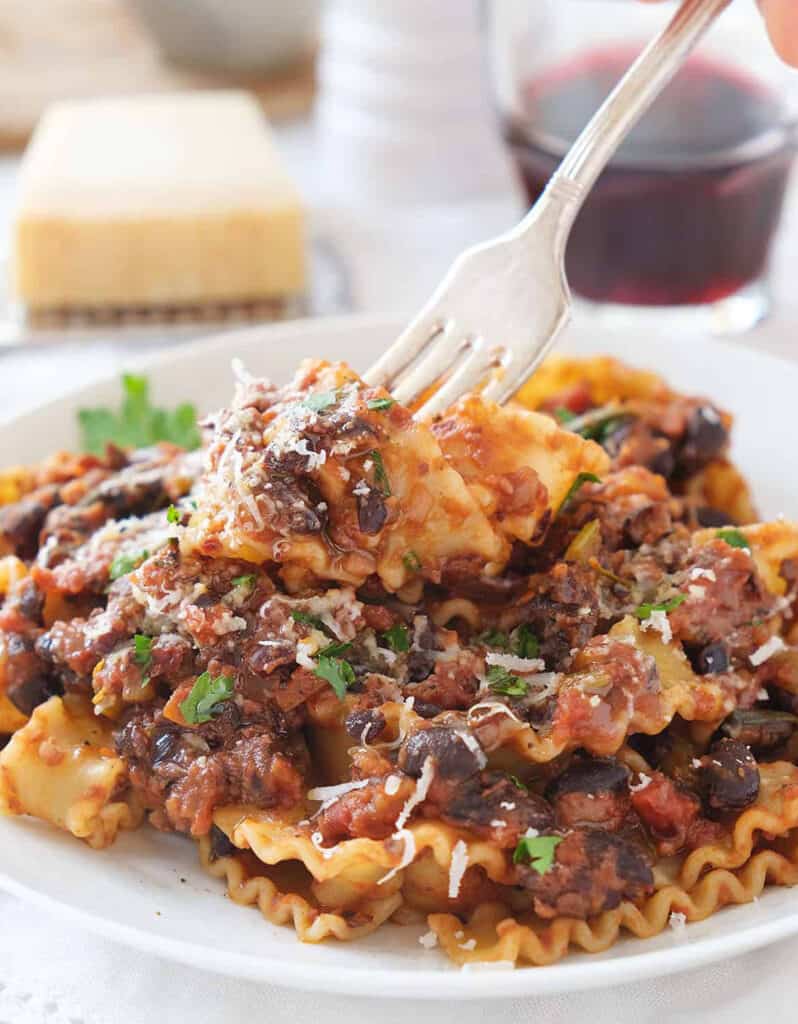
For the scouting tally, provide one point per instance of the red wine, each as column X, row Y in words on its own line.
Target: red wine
column 686, row 210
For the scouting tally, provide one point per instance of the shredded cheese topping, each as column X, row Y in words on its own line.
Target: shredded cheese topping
column 767, row 650
column 457, row 868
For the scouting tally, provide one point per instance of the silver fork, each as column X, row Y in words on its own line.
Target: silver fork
column 502, row 304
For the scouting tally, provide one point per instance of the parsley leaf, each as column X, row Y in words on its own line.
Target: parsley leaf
column 411, row 561
column 581, row 479
column 172, row 515
column 380, row 476
column 518, row 783
column 244, row 581
column 142, row 648
column 338, row 673
column 734, row 538
column 503, row 682
column 380, row 404
column 564, row 415
column 306, row 618
column 524, row 642
column 206, row 695
column 538, row 850
column 320, row 400
column 124, row 564
column 138, row 424
column 643, row 611
column 397, row 639
column 495, row 638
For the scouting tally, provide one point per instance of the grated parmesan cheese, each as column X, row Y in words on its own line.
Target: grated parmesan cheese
column 418, row 795
column 515, row 664
column 468, row 945
column 405, row 836
column 507, row 805
column 317, row 839
column 645, row 780
column 678, row 923
column 767, row 650
column 498, row 823
column 697, row 592
column 594, row 701
column 457, row 868
column 763, row 694
column 707, row 574
column 327, row 794
column 658, row 621
column 392, row 784
column 429, row 940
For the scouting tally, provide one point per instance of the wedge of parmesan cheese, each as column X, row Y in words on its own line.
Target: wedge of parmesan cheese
column 155, row 201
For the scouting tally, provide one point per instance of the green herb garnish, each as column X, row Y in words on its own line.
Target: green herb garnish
column 138, row 424
column 495, row 638
column 411, row 561
column 503, row 682
column 564, row 415
column 581, row 479
column 380, row 476
column 202, row 703
column 338, row 672
column 306, row 619
column 142, row 649
column 524, row 643
column 320, row 400
column 538, row 850
column 380, row 404
column 124, row 564
column 734, row 538
column 397, row 638
column 245, row 581
column 518, row 783
column 172, row 515
column 643, row 611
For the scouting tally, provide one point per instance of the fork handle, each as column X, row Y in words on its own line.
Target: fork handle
column 632, row 96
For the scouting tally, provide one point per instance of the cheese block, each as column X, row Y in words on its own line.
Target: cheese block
column 155, row 201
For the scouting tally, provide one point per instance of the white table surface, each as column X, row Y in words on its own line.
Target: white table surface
column 52, row 972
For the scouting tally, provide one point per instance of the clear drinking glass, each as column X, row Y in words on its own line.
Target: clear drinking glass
column 681, row 222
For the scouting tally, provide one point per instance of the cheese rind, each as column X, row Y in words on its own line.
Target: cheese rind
column 156, row 201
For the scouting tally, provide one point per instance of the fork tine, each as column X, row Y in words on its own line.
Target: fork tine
column 407, row 347
column 466, row 377
column 503, row 386
column 441, row 355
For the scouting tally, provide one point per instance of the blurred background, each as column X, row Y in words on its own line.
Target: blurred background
column 410, row 130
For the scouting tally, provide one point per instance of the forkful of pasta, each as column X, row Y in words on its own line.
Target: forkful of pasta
column 503, row 303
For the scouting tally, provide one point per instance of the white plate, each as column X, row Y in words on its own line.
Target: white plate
column 148, row 891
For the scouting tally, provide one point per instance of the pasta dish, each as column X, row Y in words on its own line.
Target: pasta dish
column 524, row 675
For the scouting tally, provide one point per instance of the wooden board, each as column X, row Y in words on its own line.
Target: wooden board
column 65, row 49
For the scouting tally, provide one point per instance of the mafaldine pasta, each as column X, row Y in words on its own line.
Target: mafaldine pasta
column 525, row 677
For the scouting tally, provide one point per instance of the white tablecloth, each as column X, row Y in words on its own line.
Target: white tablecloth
column 52, row 972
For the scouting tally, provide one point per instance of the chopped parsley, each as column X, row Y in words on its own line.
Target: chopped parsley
column 643, row 611
column 397, row 638
column 503, row 682
column 411, row 561
column 142, row 649
column 306, row 618
column 734, row 538
column 380, row 404
column 245, row 581
column 337, row 671
column 524, row 643
column 207, row 693
column 380, row 476
column 495, row 638
column 138, row 424
column 124, row 564
column 518, row 783
column 320, row 400
column 580, row 481
column 537, row 850
column 564, row 415
column 172, row 515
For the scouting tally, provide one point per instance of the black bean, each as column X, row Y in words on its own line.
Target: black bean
column 712, row 659
column 729, row 777
column 365, row 726
column 590, row 775
column 707, row 516
column 760, row 728
column 455, row 756
column 705, row 437
column 419, row 665
column 371, row 512
column 164, row 745
column 220, row 844
column 30, row 693
column 424, row 710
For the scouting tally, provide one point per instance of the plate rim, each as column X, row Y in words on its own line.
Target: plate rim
column 577, row 972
